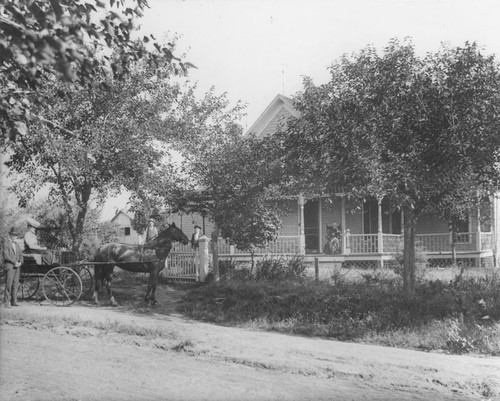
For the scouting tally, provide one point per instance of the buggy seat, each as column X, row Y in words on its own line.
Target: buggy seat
column 29, row 258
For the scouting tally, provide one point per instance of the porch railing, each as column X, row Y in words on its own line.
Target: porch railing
column 362, row 243
column 391, row 243
column 442, row 242
column 369, row 244
column 282, row 245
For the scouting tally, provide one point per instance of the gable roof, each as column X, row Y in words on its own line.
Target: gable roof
column 280, row 106
column 121, row 212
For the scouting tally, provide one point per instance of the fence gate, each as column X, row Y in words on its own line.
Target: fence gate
column 182, row 264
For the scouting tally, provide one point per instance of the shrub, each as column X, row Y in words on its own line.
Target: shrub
column 281, row 268
column 226, row 267
column 456, row 317
column 230, row 269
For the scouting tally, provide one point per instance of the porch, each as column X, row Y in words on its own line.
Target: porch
column 358, row 250
column 477, row 246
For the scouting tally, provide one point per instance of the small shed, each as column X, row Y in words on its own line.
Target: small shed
column 127, row 234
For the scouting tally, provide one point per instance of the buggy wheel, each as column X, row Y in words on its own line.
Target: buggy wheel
column 87, row 280
column 28, row 286
column 61, row 286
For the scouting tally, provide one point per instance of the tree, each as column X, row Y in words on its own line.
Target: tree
column 251, row 222
column 94, row 139
column 54, row 232
column 59, row 38
column 417, row 131
column 220, row 174
column 240, row 186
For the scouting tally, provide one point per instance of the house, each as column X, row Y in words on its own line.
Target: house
column 127, row 234
column 324, row 227
column 186, row 223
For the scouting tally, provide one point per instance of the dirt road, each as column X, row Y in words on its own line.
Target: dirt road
column 199, row 361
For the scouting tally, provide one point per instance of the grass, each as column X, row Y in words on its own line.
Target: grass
column 451, row 314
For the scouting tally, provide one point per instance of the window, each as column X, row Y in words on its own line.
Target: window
column 127, row 231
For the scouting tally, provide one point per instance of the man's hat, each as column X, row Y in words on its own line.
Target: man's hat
column 13, row 231
column 197, row 227
column 151, row 220
column 32, row 222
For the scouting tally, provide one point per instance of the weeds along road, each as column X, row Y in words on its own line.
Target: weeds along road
column 98, row 353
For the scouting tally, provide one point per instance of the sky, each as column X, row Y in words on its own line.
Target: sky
column 256, row 49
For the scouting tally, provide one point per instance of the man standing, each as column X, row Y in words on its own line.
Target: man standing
column 195, row 238
column 31, row 243
column 12, row 259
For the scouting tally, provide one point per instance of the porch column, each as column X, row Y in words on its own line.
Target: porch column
column 380, row 235
column 320, row 228
column 379, row 231
column 302, row 238
column 343, row 222
column 402, row 235
column 478, row 237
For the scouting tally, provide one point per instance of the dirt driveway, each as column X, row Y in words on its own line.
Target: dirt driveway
column 193, row 360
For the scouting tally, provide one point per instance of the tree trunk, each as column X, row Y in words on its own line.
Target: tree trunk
column 79, row 226
column 82, row 196
column 409, row 252
column 215, row 252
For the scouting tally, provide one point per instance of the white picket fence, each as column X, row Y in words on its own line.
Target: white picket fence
column 182, row 264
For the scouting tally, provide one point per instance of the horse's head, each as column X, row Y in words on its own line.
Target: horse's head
column 177, row 234
column 167, row 236
column 162, row 243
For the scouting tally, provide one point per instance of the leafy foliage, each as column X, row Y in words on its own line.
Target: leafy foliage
column 59, row 39
column 54, row 232
column 417, row 131
column 220, row 174
column 106, row 137
column 245, row 207
column 441, row 316
column 278, row 269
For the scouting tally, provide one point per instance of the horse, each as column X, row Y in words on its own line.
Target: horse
column 147, row 258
